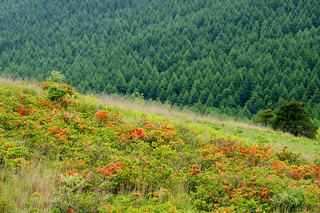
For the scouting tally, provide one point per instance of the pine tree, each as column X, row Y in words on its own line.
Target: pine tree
column 210, row 101
column 194, row 96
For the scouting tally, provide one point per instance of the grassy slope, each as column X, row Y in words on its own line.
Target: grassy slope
column 35, row 184
column 216, row 128
column 207, row 125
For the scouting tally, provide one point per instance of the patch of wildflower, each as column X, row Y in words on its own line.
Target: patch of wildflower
column 100, row 152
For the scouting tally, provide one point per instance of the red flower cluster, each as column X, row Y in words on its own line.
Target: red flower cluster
column 139, row 133
column 102, row 115
column 23, row 111
column 112, row 168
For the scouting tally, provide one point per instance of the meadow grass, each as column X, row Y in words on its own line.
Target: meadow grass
column 29, row 189
column 27, row 85
column 212, row 127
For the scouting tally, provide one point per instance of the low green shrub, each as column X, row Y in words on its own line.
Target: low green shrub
column 76, row 202
column 56, row 92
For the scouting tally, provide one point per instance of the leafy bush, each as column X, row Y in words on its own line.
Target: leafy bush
column 12, row 154
column 72, row 197
column 56, row 93
column 73, row 202
column 292, row 117
column 266, row 117
column 290, row 157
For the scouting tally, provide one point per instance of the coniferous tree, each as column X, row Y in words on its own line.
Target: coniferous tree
column 292, row 117
column 266, row 117
column 210, row 101
column 194, row 96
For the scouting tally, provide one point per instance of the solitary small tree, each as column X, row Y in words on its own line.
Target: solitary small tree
column 266, row 117
column 56, row 76
column 292, row 117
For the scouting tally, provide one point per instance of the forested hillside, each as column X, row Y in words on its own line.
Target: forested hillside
column 238, row 56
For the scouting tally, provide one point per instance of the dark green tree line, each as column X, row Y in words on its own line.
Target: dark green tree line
column 235, row 56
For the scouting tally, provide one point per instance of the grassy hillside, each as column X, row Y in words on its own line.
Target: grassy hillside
column 215, row 127
column 85, row 154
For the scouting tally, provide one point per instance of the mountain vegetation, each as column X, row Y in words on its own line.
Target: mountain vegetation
column 71, row 153
column 291, row 117
column 294, row 118
column 231, row 57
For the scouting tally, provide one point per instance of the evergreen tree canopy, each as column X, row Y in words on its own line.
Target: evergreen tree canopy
column 245, row 53
column 266, row 117
column 292, row 117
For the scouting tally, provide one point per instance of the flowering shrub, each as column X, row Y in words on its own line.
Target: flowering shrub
column 12, row 154
column 57, row 91
column 109, row 165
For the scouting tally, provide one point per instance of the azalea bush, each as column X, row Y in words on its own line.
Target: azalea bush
column 108, row 164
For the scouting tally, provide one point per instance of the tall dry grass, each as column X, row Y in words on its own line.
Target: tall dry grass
column 30, row 189
column 30, row 84
column 171, row 113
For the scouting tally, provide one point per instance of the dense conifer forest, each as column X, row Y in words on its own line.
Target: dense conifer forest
column 235, row 57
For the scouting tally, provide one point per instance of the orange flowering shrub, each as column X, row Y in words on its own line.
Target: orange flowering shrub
column 101, row 153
